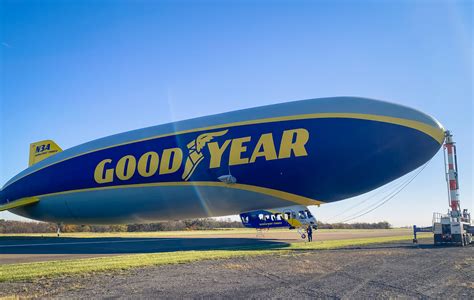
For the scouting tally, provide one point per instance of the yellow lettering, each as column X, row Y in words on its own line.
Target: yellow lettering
column 236, row 149
column 265, row 147
column 165, row 166
column 100, row 176
column 126, row 167
column 300, row 137
column 148, row 164
column 216, row 153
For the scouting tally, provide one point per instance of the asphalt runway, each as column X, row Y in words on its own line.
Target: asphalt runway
column 21, row 249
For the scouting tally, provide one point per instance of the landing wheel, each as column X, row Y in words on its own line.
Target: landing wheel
column 58, row 231
column 302, row 233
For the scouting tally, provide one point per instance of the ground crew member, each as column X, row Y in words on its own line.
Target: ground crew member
column 309, row 230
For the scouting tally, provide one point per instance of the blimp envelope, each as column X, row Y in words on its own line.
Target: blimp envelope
column 305, row 152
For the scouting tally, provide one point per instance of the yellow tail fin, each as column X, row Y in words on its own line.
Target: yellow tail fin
column 41, row 150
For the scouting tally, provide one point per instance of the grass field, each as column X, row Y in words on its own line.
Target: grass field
column 30, row 271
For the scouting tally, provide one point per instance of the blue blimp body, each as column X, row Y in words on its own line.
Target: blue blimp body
column 305, row 152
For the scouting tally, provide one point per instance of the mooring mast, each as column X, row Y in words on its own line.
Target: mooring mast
column 455, row 227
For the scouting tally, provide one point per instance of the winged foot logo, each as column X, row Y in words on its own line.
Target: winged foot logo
column 292, row 144
column 195, row 155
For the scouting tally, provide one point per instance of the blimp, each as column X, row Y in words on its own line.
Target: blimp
column 266, row 164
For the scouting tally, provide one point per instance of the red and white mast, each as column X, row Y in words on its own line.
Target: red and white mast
column 452, row 175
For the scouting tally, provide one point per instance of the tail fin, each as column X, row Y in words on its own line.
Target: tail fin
column 41, row 150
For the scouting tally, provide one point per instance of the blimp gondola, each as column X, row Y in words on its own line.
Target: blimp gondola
column 293, row 154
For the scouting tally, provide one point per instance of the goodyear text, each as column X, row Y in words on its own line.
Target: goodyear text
column 292, row 144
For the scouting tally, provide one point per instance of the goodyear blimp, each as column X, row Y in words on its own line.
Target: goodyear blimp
column 266, row 163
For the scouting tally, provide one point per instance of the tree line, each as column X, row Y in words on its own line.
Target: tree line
column 378, row 225
column 7, row 226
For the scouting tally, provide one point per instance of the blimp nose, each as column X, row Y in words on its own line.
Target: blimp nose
column 434, row 129
column 441, row 132
column 417, row 120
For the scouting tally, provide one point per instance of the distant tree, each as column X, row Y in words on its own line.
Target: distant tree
column 25, row 227
column 379, row 225
column 192, row 224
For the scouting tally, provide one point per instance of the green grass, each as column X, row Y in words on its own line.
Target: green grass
column 29, row 271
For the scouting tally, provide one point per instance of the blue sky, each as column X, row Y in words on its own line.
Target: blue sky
column 73, row 71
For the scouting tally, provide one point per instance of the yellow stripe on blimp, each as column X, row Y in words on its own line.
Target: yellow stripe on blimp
column 18, row 203
column 245, row 187
column 436, row 133
column 433, row 132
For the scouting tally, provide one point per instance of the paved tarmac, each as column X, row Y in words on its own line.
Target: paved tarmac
column 21, row 249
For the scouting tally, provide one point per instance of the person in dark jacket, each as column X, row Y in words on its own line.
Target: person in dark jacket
column 309, row 231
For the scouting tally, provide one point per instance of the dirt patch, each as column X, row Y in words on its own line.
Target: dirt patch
column 375, row 271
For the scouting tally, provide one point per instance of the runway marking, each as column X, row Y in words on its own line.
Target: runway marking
column 85, row 243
